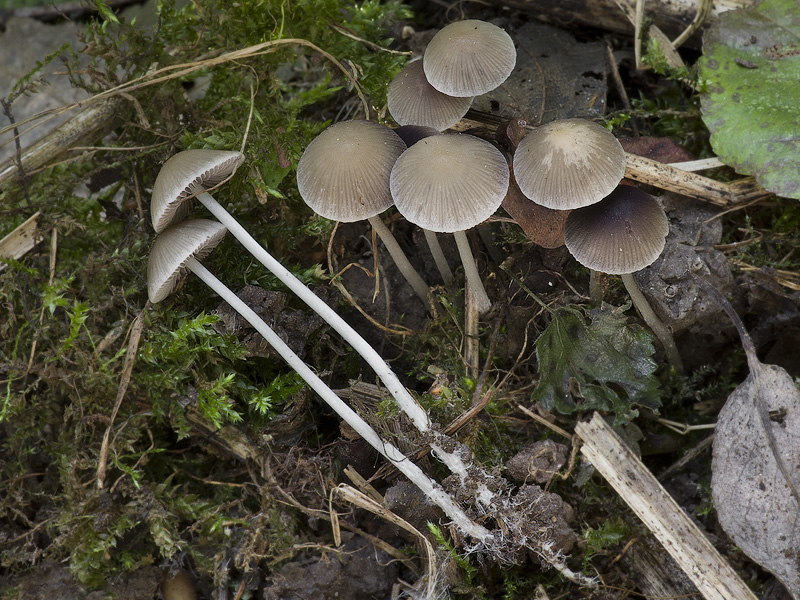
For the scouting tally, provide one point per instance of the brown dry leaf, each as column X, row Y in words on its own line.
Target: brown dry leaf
column 756, row 466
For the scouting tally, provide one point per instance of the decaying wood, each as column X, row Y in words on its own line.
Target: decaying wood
column 20, row 241
column 671, row 16
column 655, row 573
column 680, row 536
column 88, row 126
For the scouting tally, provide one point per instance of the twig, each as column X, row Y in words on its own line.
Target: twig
column 125, row 379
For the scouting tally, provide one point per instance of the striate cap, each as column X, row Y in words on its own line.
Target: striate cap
column 449, row 182
column 568, row 163
column 623, row 233
column 469, row 58
column 187, row 174
column 173, row 247
column 414, row 101
column 343, row 174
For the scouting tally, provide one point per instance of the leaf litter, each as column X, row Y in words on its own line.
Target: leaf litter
column 756, row 464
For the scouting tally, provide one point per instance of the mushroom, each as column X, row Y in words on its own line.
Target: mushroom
column 469, row 58
column 189, row 174
column 181, row 247
column 568, row 164
column 166, row 207
column 449, row 183
column 413, row 101
column 343, row 175
column 621, row 234
column 411, row 134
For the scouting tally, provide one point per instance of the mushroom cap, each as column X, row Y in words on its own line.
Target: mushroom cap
column 568, row 164
column 414, row 101
column 186, row 174
column 343, row 174
column 469, row 58
column 449, row 182
column 173, row 247
column 622, row 233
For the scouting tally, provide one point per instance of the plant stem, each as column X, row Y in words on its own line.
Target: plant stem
column 399, row 257
column 652, row 320
column 471, row 272
column 429, row 487
column 438, row 256
column 405, row 401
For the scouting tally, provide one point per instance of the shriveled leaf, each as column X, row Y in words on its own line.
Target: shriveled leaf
column 754, row 502
column 751, row 65
column 606, row 365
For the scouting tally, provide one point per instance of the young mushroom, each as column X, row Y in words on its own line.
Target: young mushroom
column 181, row 247
column 343, row 175
column 621, row 234
column 469, row 58
column 568, row 164
column 413, row 101
column 175, row 185
column 449, row 183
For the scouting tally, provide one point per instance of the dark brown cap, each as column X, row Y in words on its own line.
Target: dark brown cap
column 623, row 233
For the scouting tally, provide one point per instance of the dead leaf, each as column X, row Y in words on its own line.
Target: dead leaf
column 756, row 465
column 544, row 226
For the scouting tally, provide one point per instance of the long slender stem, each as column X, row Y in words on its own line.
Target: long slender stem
column 471, row 271
column 401, row 260
column 652, row 320
column 429, row 487
column 405, row 401
column 438, row 256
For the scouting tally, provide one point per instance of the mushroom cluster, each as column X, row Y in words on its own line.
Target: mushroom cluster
column 576, row 165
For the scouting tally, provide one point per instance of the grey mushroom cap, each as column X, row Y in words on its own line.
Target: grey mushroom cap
column 343, row 174
column 414, row 101
column 469, row 58
column 449, row 182
column 568, row 164
column 173, row 248
column 185, row 175
column 623, row 233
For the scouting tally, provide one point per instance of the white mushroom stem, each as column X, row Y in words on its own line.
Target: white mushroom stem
column 402, row 262
column 403, row 464
column 405, row 400
column 657, row 325
column 471, row 271
column 438, row 256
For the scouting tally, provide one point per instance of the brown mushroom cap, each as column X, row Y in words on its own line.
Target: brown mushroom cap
column 469, row 58
column 343, row 174
column 173, row 247
column 414, row 101
column 623, row 233
column 568, row 164
column 187, row 174
column 449, row 182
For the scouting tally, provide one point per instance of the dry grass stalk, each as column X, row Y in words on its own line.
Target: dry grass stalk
column 682, row 538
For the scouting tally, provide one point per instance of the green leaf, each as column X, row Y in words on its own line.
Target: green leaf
column 606, row 365
column 751, row 67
